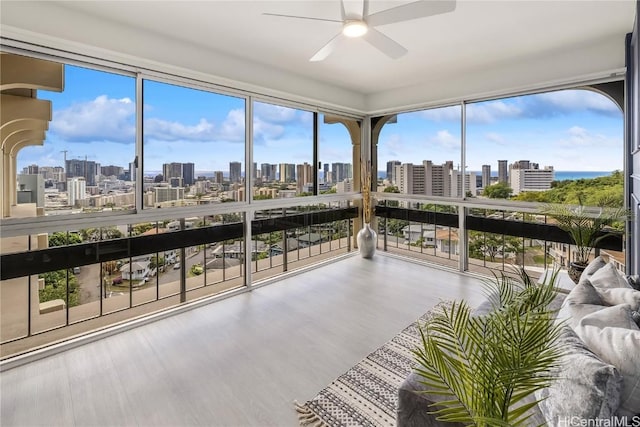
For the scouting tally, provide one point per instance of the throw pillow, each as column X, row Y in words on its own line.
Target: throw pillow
column 595, row 265
column 585, row 293
column 615, row 296
column 614, row 337
column 582, row 300
column 608, row 277
column 586, row 387
column 572, row 312
column 636, row 317
column 634, row 281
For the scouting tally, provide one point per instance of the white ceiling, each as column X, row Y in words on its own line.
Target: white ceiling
column 482, row 48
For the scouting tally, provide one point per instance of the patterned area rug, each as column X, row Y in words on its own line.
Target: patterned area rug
column 367, row 394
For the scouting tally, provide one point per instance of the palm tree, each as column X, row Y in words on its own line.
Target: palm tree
column 485, row 366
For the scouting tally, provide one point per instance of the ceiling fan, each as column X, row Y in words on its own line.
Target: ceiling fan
column 362, row 24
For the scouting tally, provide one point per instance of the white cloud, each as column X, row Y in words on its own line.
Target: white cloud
column 495, row 137
column 444, row 139
column 274, row 113
column 579, row 137
column 263, row 130
column 173, row 131
column 232, row 129
column 101, row 119
column 579, row 100
column 393, row 144
column 490, row 112
column 452, row 113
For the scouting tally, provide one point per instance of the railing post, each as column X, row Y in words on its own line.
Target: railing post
column 463, row 235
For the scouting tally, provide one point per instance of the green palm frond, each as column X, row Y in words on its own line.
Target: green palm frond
column 483, row 367
column 587, row 226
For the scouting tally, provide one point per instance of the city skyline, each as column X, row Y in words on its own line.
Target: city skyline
column 94, row 117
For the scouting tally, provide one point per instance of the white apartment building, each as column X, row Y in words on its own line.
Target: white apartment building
column 167, row 194
column 76, row 190
column 530, row 179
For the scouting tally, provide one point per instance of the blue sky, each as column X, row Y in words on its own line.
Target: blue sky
column 95, row 117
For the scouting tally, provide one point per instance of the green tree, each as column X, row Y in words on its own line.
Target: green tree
column 97, row 234
column 156, row 261
column 391, row 189
column 262, row 197
column 139, row 229
column 196, row 270
column 55, row 287
column 61, row 238
column 482, row 245
column 498, row 191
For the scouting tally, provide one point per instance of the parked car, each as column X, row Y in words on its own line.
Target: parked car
column 76, row 270
column 117, row 281
column 176, row 266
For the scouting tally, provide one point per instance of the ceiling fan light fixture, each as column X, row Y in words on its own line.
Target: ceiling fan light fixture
column 355, row 28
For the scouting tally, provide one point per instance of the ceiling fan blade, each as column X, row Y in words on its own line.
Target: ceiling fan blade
column 415, row 10
column 384, row 44
column 327, row 48
column 343, row 14
column 365, row 9
column 302, row 17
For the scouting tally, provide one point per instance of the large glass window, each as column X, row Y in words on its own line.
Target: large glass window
column 530, row 148
column 555, row 147
column 85, row 161
column 421, row 153
column 283, row 163
column 335, row 155
column 194, row 146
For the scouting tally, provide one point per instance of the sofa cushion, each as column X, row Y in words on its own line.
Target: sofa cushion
column 586, row 386
column 615, row 296
column 585, row 293
column 582, row 300
column 608, row 277
column 414, row 405
column 612, row 335
column 595, row 265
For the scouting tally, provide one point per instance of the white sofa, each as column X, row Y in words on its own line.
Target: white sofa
column 599, row 374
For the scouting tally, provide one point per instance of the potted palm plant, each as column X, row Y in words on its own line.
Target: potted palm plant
column 484, row 368
column 587, row 226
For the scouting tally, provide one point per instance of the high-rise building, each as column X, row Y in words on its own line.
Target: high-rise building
column 438, row 178
column 531, row 178
column 171, row 170
column 486, row 176
column 76, row 168
column 469, row 184
column 235, row 172
column 341, row 171
column 31, row 170
column 410, row 178
column 111, row 170
column 304, row 176
column 502, row 171
column 218, row 177
column 265, row 172
column 391, row 164
column 188, row 173
column 76, row 190
column 167, row 194
column 287, row 172
column 325, row 173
